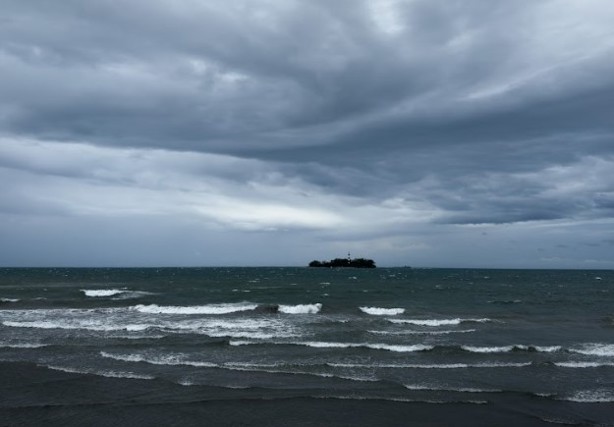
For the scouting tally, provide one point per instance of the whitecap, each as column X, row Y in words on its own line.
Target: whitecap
column 595, row 349
column 101, row 293
column 243, row 334
column 508, row 348
column 583, row 364
column 547, row 349
column 21, row 345
column 592, row 396
column 437, row 322
column 9, row 300
column 445, row 332
column 501, row 349
column 196, row 309
column 300, row 308
column 427, row 387
column 171, row 360
column 400, row 348
column 432, row 366
column 333, row 344
column 92, row 326
column 131, row 295
column 378, row 311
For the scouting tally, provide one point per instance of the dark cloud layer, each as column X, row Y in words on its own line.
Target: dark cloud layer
column 387, row 125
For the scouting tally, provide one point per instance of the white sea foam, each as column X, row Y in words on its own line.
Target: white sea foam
column 583, row 364
column 9, row 300
column 157, row 360
column 547, row 349
column 300, row 308
column 446, row 332
column 277, row 368
column 431, row 366
column 196, row 309
column 137, row 337
column 245, row 334
column 131, row 295
column 427, row 387
column 595, row 349
column 102, row 292
column 592, row 396
column 21, row 345
column 92, row 325
column 253, row 365
column 508, row 348
column 501, row 349
column 378, row 311
column 437, row 322
column 327, row 344
column 400, row 348
column 105, row 373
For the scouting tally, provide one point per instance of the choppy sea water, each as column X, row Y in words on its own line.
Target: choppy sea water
column 435, row 336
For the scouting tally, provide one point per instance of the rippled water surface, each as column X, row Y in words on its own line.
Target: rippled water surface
column 395, row 334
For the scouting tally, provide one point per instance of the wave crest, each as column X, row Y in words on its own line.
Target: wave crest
column 333, row 344
column 438, row 322
column 300, row 308
column 591, row 396
column 378, row 311
column 595, row 349
column 196, row 309
column 101, row 293
column 509, row 348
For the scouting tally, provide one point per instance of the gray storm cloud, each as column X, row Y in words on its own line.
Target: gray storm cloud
column 474, row 133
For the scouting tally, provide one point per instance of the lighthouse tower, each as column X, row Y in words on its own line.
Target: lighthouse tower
column 349, row 257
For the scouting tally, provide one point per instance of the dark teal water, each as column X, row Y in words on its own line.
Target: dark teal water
column 541, row 339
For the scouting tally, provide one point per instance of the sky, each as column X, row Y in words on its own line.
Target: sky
column 428, row 133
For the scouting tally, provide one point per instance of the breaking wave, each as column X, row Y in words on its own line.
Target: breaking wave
column 196, row 309
column 432, row 366
column 92, row 326
column 21, row 345
column 446, row 332
column 378, row 311
column 300, row 308
column 324, row 344
column 583, row 364
column 591, row 396
column 595, row 349
column 425, row 387
column 508, row 348
column 98, row 293
column 438, row 322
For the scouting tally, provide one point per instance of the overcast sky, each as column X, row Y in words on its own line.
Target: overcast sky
column 472, row 133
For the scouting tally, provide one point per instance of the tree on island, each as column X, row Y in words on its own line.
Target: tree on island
column 344, row 262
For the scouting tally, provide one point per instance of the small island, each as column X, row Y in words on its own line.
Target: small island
column 344, row 262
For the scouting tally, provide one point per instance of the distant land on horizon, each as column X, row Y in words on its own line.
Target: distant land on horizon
column 345, row 262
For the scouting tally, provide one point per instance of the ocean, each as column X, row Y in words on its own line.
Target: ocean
column 306, row 346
